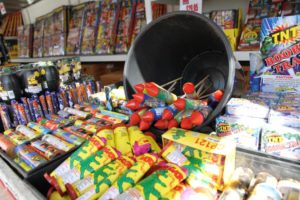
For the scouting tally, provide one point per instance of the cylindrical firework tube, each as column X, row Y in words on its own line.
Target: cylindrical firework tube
column 5, row 117
column 31, row 134
column 58, row 143
column 131, row 176
column 26, row 107
column 135, row 134
column 88, row 166
column 135, row 117
column 7, row 146
column 189, row 90
column 156, row 91
column 39, row 128
column 37, row 111
column 146, row 100
column 78, row 131
column 90, row 147
column 49, row 124
column 30, row 106
column 108, row 134
column 55, row 102
column 157, row 184
column 79, row 187
column 48, row 151
column 16, row 115
column 22, row 114
column 29, row 156
column 169, row 112
column 72, row 139
column 122, row 140
column 49, row 102
column 81, row 114
column 183, row 114
column 111, row 120
column 44, row 105
column 184, row 104
column 153, row 114
column 16, row 137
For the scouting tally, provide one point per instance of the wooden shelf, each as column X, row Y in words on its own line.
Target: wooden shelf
column 96, row 58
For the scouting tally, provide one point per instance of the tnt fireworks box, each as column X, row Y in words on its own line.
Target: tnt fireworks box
column 215, row 151
column 281, row 141
column 278, row 68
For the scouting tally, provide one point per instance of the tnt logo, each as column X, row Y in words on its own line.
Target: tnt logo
column 275, row 139
column 285, row 35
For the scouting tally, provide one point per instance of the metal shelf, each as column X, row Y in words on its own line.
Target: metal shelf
column 95, row 58
column 11, row 38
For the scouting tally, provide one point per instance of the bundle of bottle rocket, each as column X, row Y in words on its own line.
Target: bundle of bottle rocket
column 30, row 109
column 155, row 105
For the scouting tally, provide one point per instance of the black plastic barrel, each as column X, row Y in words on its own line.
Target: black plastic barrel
column 31, row 81
column 183, row 44
column 50, row 78
column 10, row 87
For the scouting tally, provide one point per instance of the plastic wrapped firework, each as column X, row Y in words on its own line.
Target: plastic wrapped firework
column 149, row 101
column 49, row 102
column 81, row 114
column 78, row 131
column 22, row 113
column 27, row 110
column 122, row 140
column 189, row 104
column 36, row 108
column 108, row 134
column 131, row 176
column 39, row 128
column 135, row 117
column 165, row 179
column 15, row 113
column 189, row 90
column 31, row 134
column 16, row 137
column 72, row 139
column 58, row 143
column 7, row 124
column 30, row 106
column 55, row 102
column 49, row 124
column 29, row 156
column 156, row 91
column 90, row 165
column 44, row 105
column 89, row 148
column 46, row 150
column 82, row 186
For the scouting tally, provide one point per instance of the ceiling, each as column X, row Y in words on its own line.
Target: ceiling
column 14, row 5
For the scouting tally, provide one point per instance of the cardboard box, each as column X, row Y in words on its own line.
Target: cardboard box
column 215, row 151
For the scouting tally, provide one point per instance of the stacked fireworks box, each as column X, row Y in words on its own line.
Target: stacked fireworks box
column 25, row 36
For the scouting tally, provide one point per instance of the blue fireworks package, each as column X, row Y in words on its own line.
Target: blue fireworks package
column 278, row 68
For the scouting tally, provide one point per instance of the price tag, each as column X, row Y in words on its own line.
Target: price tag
column 191, row 5
column 2, row 8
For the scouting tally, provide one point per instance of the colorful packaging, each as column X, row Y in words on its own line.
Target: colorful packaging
column 7, row 124
column 48, row 151
column 156, row 91
column 88, row 166
column 31, row 134
column 245, row 131
column 29, row 156
column 39, row 128
column 72, row 139
column 88, row 148
column 111, row 120
column 58, row 143
column 115, row 114
column 26, row 107
column 131, row 176
column 157, row 184
column 285, row 115
column 153, row 114
column 108, row 134
column 281, row 141
column 80, row 187
column 122, row 140
column 280, row 49
column 78, row 131
column 213, row 150
column 16, row 137
column 44, row 105
column 249, row 108
column 81, row 114
column 189, row 104
column 22, row 164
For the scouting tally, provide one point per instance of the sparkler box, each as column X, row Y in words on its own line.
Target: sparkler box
column 278, row 69
column 218, row 152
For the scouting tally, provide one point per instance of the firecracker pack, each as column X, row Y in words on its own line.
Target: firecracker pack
column 277, row 69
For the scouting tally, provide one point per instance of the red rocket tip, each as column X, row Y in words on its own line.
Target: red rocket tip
column 139, row 97
column 133, row 104
column 188, row 88
column 139, row 87
column 172, row 123
column 180, row 104
column 161, row 124
column 167, row 115
column 197, row 118
column 218, row 95
column 152, row 89
column 144, row 125
column 134, row 119
column 186, row 123
column 148, row 116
